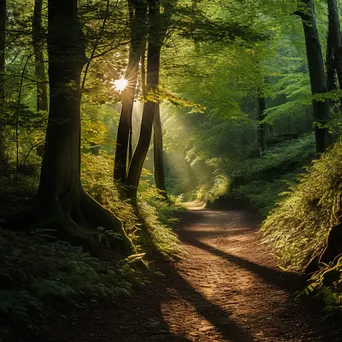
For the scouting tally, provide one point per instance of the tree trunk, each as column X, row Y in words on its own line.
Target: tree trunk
column 124, row 136
column 38, row 43
column 158, row 153
column 316, row 71
column 336, row 38
column 158, row 26
column 153, row 63
column 61, row 203
column 261, row 126
column 3, row 17
column 330, row 62
column 60, row 174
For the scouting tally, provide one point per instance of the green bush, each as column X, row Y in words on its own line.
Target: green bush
column 34, row 271
column 298, row 227
column 261, row 180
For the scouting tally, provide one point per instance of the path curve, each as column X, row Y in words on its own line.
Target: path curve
column 226, row 288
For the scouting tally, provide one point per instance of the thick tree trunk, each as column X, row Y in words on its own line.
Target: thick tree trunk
column 316, row 71
column 60, row 174
column 261, row 126
column 38, row 43
column 3, row 16
column 336, row 37
column 124, row 136
column 158, row 152
column 61, row 203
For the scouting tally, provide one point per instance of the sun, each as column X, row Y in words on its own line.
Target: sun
column 120, row 84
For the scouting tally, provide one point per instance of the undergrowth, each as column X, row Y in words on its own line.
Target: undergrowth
column 261, row 180
column 299, row 226
column 158, row 215
column 326, row 284
column 36, row 271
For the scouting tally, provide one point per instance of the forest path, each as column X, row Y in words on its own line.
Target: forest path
column 226, row 288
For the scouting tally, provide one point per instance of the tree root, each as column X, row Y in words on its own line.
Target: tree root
column 75, row 224
column 330, row 253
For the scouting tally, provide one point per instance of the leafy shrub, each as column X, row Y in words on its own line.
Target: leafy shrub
column 157, row 214
column 216, row 187
column 33, row 272
column 327, row 284
column 298, row 227
column 261, row 180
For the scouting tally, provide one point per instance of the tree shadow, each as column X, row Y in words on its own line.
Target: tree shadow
column 219, row 318
column 286, row 281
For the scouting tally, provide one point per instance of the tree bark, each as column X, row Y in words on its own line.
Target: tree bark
column 153, row 62
column 330, row 61
column 3, row 17
column 316, row 71
column 336, row 37
column 61, row 203
column 60, row 174
column 38, row 43
column 158, row 153
column 158, row 26
column 124, row 136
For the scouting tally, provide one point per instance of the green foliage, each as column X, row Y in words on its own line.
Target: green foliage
column 326, row 283
column 156, row 213
column 34, row 272
column 261, row 180
column 218, row 186
column 159, row 216
column 298, row 227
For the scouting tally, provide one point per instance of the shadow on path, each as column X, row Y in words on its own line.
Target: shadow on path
column 287, row 281
column 213, row 313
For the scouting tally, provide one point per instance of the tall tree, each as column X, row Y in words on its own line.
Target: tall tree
column 3, row 16
column 158, row 152
column 60, row 194
column 138, row 14
column 158, row 25
column 336, row 37
column 38, row 41
column 316, row 71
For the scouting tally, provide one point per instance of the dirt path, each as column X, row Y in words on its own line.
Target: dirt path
column 227, row 288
